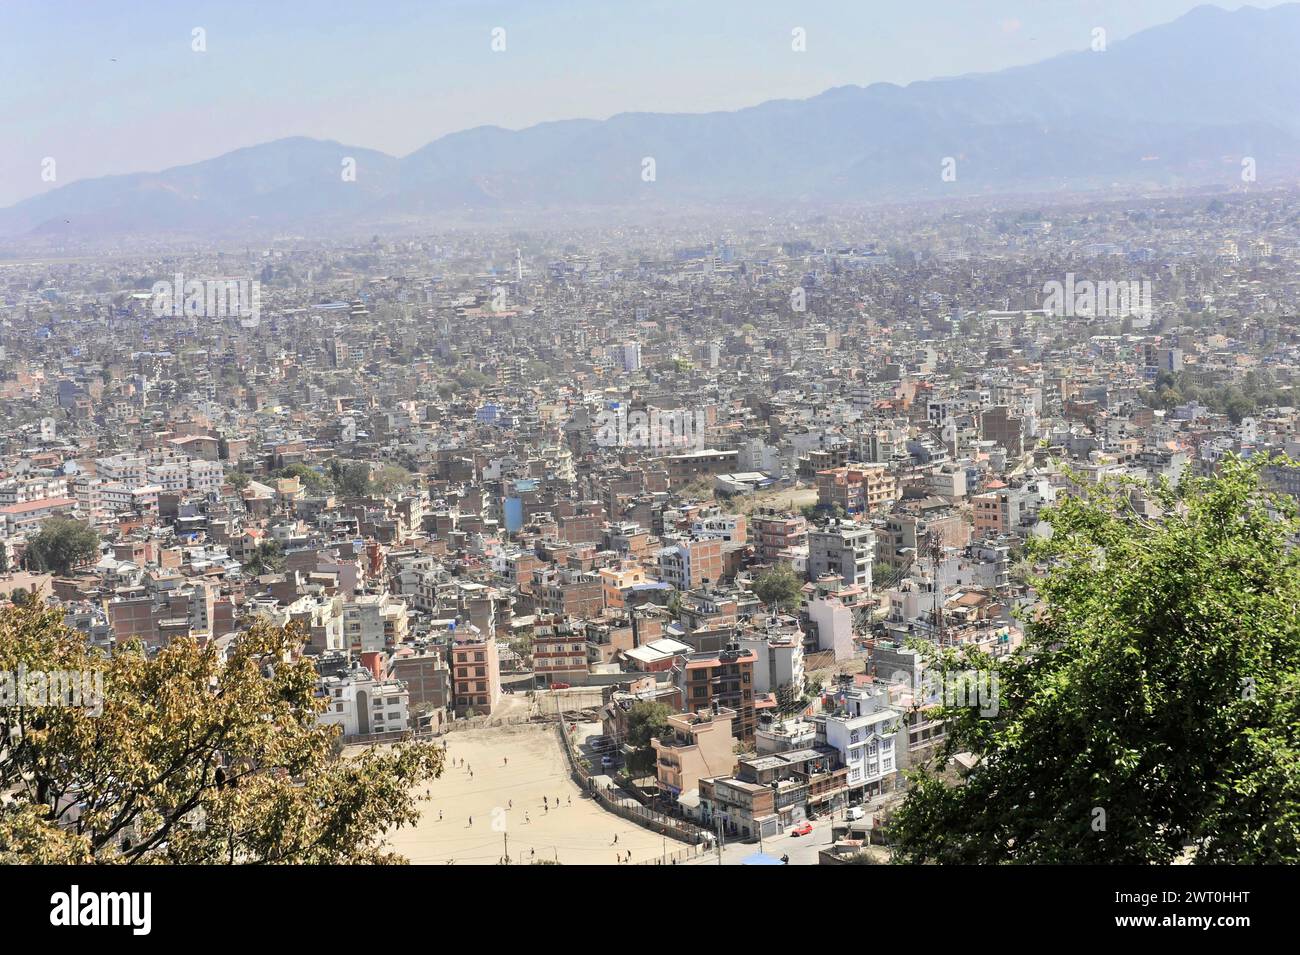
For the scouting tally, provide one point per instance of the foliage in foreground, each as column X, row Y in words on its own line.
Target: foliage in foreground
column 192, row 760
column 1155, row 705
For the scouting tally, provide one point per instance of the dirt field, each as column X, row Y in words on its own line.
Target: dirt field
column 790, row 499
column 576, row 832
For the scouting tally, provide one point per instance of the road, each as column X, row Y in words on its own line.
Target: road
column 802, row 850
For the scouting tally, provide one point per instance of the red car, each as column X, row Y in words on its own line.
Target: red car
column 801, row 830
column 559, row 686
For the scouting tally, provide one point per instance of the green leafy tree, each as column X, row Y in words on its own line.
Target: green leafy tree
column 645, row 721
column 389, row 478
column 675, row 604
column 188, row 756
column 314, row 481
column 779, row 588
column 267, row 559
column 1156, row 706
column 61, row 545
column 789, row 698
column 352, row 479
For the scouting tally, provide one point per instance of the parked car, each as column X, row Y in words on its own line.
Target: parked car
column 854, row 813
column 801, row 830
column 559, row 686
column 600, row 743
column 607, row 762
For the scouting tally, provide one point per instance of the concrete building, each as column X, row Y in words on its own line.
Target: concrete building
column 863, row 731
column 724, row 678
column 689, row 563
column 845, row 549
column 363, row 705
column 700, row 746
column 476, row 672
column 858, row 490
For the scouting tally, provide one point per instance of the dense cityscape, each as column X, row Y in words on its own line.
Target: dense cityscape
column 820, row 534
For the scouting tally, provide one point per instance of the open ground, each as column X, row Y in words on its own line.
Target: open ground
column 514, row 768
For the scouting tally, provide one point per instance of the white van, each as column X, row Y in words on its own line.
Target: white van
column 855, row 814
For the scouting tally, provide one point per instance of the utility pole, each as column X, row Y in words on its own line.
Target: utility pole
column 719, row 822
column 936, row 555
column 505, row 838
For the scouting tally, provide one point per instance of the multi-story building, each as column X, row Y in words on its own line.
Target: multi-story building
column 424, row 672
column 373, row 622
column 692, row 466
column 778, row 655
column 862, row 729
column 771, row 792
column 567, row 593
column 844, row 549
column 998, row 512
column 724, row 678
column 475, row 672
column 775, row 534
column 559, row 651
column 363, row 705
column 27, row 518
column 690, row 563
column 730, row 528
column 907, row 531
column 858, row 490
column 700, row 746
column 620, row 580
column 27, row 490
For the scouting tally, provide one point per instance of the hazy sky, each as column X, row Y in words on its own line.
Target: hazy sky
column 114, row 87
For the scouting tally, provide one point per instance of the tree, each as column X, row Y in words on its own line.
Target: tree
column 1155, row 707
column 238, row 480
column 388, row 479
column 645, row 721
column 61, row 545
column 267, row 559
column 352, row 479
column 779, row 588
column 314, row 481
column 190, row 757
column 675, row 604
column 789, row 698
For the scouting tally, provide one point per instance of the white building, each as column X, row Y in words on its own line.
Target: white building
column 205, row 476
column 27, row 490
column 363, row 705
column 834, row 626
column 863, row 730
column 778, row 660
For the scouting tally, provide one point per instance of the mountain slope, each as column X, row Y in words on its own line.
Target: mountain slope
column 1183, row 102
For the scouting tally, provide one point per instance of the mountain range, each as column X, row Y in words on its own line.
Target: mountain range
column 1179, row 104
